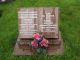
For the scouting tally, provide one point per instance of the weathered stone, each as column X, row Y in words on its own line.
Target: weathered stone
column 42, row 20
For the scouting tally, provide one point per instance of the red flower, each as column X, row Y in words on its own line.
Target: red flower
column 37, row 36
column 44, row 43
column 34, row 44
column 39, row 41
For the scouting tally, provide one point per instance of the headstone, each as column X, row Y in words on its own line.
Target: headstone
column 44, row 20
column 6, row 1
column 38, row 20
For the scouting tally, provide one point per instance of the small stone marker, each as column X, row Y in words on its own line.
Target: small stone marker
column 32, row 20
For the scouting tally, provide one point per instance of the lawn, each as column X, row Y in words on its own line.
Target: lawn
column 69, row 26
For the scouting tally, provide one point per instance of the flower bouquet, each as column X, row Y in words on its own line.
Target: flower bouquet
column 39, row 43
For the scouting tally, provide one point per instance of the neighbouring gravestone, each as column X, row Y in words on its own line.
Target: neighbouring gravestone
column 6, row 1
column 44, row 20
column 0, row 13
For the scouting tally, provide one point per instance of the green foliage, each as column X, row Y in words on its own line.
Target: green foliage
column 69, row 26
column 41, row 50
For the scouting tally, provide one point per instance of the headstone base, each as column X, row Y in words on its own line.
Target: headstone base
column 54, row 49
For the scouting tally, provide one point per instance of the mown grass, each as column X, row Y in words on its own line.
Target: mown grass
column 69, row 26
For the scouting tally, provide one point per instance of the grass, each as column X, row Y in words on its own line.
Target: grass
column 69, row 26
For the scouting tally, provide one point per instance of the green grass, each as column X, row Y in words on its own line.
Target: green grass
column 69, row 26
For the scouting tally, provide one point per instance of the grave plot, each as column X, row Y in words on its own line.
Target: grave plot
column 44, row 20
